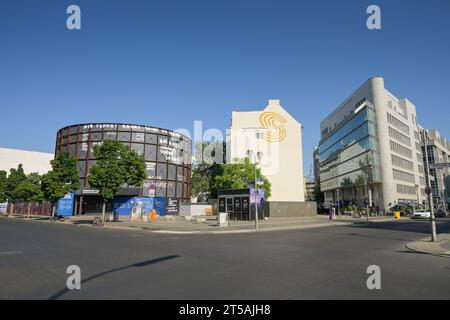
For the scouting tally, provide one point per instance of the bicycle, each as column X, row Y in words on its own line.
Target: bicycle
column 98, row 222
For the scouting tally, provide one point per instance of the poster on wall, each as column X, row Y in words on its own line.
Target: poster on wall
column 160, row 206
column 135, row 207
column 64, row 206
column 3, row 207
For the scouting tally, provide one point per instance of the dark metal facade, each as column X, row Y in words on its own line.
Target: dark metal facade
column 167, row 155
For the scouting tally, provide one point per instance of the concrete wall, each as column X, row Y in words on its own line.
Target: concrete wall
column 32, row 161
column 279, row 139
column 194, row 209
column 290, row 209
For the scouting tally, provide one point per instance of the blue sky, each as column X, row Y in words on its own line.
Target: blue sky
column 167, row 63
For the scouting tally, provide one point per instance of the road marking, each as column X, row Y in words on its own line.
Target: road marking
column 9, row 253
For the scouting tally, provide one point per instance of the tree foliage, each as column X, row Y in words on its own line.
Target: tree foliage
column 240, row 176
column 3, row 178
column 29, row 190
column 16, row 176
column 208, row 160
column 62, row 179
column 115, row 165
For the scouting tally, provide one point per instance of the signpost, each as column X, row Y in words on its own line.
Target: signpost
column 64, row 205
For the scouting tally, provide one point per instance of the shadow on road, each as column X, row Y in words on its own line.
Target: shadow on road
column 417, row 226
column 137, row 265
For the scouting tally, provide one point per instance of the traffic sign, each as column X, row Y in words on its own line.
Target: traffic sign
column 440, row 165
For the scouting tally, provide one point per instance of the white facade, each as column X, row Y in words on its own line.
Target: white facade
column 31, row 161
column 394, row 149
column 276, row 134
column 438, row 153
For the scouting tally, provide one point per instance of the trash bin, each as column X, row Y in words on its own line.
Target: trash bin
column 223, row 219
column 397, row 214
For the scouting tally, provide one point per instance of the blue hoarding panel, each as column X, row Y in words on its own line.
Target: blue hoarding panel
column 124, row 205
column 64, row 206
column 160, row 206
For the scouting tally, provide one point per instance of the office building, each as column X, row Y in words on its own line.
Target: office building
column 438, row 151
column 370, row 150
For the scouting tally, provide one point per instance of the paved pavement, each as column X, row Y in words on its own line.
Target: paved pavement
column 208, row 224
column 319, row 263
column 441, row 247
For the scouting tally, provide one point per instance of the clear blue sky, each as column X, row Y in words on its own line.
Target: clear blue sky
column 167, row 63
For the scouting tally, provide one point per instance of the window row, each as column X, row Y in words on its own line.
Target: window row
column 356, row 135
column 148, row 151
column 397, row 135
column 140, row 137
column 397, row 123
column 404, row 189
column 398, row 148
column 402, row 163
column 351, row 125
column 157, row 171
column 403, row 176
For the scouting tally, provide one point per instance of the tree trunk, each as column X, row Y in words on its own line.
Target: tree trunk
column 12, row 208
column 104, row 211
column 29, row 209
column 53, row 210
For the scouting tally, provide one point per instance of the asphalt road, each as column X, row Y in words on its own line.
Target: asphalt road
column 323, row 263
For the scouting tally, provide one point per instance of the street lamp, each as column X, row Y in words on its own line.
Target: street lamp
column 428, row 190
column 256, row 160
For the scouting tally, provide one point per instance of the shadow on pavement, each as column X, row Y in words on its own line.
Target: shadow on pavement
column 135, row 265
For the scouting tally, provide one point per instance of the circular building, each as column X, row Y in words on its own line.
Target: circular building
column 167, row 155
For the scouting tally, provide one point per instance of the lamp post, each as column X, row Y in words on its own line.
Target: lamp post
column 429, row 189
column 257, row 158
column 416, row 186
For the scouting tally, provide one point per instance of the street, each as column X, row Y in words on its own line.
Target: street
column 320, row 263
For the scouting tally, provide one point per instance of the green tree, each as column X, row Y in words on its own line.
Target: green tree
column 240, row 176
column 3, row 178
column 318, row 195
column 29, row 190
column 62, row 179
column 115, row 166
column 16, row 176
column 207, row 165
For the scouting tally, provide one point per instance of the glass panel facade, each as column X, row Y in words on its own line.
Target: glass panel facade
column 350, row 155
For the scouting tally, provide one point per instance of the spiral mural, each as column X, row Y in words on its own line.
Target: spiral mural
column 275, row 122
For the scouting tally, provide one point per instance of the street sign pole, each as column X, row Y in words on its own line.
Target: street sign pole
column 428, row 191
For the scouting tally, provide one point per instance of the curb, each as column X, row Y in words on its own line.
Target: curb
column 407, row 246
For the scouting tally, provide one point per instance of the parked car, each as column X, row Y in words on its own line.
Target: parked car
column 441, row 213
column 421, row 214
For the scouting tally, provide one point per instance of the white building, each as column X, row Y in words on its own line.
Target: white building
column 278, row 136
column 438, row 151
column 370, row 150
column 31, row 161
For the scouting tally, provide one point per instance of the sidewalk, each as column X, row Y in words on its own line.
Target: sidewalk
column 440, row 248
column 208, row 224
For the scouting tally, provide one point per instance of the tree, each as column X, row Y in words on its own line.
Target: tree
column 3, row 178
column 115, row 166
column 16, row 176
column 240, row 176
column 29, row 190
column 205, row 169
column 62, row 179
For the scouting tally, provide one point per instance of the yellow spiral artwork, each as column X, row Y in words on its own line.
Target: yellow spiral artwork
column 275, row 122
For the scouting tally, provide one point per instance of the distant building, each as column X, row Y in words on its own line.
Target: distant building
column 370, row 150
column 278, row 136
column 31, row 161
column 310, row 186
column 438, row 149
